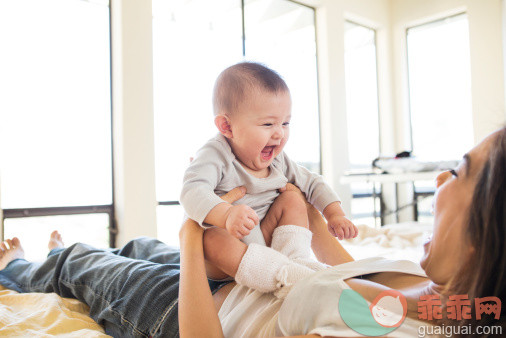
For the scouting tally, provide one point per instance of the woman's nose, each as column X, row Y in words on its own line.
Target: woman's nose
column 441, row 178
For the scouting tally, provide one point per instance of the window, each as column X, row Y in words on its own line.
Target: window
column 55, row 117
column 281, row 34
column 440, row 96
column 192, row 43
column 361, row 95
column 440, row 89
column 362, row 114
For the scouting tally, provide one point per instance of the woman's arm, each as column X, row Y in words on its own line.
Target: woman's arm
column 325, row 247
column 197, row 314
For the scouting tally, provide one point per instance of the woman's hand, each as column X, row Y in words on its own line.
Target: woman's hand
column 191, row 228
column 234, row 195
column 292, row 187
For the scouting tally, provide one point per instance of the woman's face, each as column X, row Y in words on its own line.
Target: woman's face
column 452, row 202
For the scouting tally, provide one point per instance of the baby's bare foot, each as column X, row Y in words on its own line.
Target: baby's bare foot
column 10, row 250
column 55, row 241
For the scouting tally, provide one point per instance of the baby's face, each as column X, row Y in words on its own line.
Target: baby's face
column 260, row 128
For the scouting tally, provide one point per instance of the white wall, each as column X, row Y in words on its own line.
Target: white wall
column 487, row 67
column 133, row 121
column 334, row 136
column 330, row 17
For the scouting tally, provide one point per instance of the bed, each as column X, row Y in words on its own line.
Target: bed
column 44, row 315
column 393, row 241
column 48, row 315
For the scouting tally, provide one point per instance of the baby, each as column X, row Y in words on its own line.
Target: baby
column 252, row 108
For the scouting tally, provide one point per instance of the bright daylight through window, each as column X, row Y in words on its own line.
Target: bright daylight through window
column 361, row 106
column 440, row 50
column 55, row 117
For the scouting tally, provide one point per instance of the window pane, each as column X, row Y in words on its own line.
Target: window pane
column 169, row 220
column 361, row 95
column 55, row 128
column 34, row 232
column 281, row 34
column 193, row 41
column 440, row 89
column 365, row 209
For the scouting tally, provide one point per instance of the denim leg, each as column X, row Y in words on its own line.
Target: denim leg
column 150, row 249
column 129, row 297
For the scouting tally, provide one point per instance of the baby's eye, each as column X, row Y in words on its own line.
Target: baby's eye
column 453, row 172
column 286, row 124
column 267, row 124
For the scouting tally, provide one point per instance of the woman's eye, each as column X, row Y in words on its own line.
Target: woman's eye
column 453, row 172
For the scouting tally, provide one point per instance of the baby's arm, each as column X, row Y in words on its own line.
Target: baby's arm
column 199, row 200
column 238, row 220
column 322, row 196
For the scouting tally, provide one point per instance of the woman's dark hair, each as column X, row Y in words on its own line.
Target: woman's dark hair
column 484, row 274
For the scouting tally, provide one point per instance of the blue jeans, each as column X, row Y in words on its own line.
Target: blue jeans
column 131, row 291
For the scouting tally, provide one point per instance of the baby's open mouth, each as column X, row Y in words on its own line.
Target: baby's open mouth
column 267, row 152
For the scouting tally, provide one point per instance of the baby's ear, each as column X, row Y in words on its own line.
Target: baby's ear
column 222, row 122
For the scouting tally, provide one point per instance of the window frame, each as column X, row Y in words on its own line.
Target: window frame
column 173, row 202
column 408, row 82
column 108, row 209
column 373, row 192
column 377, row 79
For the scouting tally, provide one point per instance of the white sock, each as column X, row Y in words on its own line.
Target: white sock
column 288, row 275
column 292, row 240
column 267, row 270
column 295, row 242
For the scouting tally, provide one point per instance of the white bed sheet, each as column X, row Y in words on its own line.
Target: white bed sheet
column 393, row 241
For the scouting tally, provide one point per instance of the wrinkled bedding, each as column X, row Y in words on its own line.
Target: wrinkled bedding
column 44, row 315
column 393, row 241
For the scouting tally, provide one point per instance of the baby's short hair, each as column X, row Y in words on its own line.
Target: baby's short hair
column 232, row 85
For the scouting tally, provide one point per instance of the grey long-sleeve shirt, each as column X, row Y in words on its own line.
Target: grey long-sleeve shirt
column 215, row 171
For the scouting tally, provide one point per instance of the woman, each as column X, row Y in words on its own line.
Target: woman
column 133, row 297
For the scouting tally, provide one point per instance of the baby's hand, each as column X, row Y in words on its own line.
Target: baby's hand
column 341, row 227
column 240, row 220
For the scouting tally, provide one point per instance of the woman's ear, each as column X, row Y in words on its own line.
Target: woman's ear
column 222, row 122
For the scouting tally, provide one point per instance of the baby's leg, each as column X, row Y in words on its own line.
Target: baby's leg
column 256, row 266
column 222, row 252
column 285, row 229
column 287, row 209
